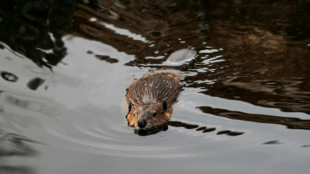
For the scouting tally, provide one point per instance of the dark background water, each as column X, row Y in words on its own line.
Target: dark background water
column 65, row 66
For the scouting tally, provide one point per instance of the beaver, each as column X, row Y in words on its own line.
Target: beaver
column 151, row 97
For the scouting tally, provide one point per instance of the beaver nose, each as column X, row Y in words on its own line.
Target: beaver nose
column 142, row 123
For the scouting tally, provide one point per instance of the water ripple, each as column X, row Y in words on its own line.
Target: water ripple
column 96, row 135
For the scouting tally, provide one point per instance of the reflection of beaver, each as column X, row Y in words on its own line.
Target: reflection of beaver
column 151, row 97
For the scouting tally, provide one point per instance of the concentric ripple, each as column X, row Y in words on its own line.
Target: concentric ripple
column 96, row 133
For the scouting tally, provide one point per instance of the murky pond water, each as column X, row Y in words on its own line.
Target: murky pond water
column 65, row 67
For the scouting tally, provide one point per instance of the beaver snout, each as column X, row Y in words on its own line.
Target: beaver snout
column 142, row 123
column 148, row 115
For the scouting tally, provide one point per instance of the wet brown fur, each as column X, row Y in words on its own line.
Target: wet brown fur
column 147, row 95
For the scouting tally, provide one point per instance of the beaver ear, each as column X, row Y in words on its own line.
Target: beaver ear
column 165, row 106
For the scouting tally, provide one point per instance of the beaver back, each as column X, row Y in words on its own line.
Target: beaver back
column 154, row 88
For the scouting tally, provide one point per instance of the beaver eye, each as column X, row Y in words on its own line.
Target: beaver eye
column 165, row 106
column 154, row 114
column 129, row 107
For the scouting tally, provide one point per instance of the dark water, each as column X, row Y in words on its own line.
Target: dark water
column 65, row 66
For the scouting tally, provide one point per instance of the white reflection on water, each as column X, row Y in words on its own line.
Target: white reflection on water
column 125, row 32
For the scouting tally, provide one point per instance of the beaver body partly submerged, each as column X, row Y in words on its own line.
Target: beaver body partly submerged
column 151, row 97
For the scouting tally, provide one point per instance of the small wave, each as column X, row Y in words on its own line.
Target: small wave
column 104, row 137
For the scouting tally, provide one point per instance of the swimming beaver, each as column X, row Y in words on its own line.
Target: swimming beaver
column 151, row 97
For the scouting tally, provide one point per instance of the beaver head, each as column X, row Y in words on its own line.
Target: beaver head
column 148, row 115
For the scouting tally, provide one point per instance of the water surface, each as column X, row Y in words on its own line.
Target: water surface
column 65, row 67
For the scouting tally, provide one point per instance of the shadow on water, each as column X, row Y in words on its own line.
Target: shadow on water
column 291, row 123
column 37, row 27
column 179, row 124
column 266, row 51
column 119, row 25
column 34, row 29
